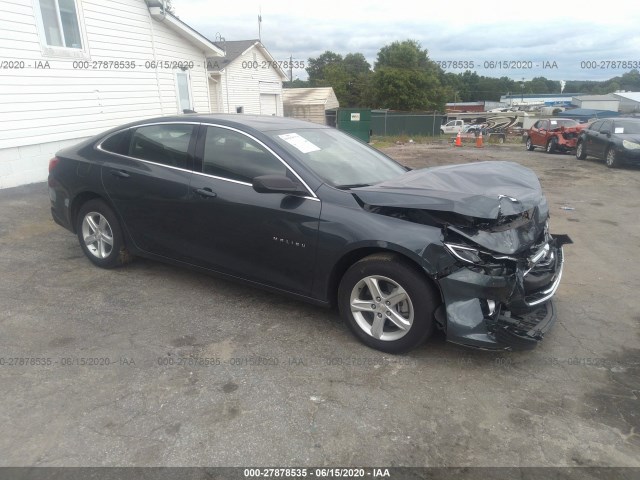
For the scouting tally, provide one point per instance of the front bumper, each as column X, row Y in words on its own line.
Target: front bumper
column 511, row 312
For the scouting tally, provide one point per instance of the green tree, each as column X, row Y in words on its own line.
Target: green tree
column 316, row 66
column 405, row 79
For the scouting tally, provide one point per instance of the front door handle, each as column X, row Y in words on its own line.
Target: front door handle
column 206, row 192
column 120, row 173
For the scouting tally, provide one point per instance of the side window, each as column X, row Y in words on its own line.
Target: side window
column 183, row 91
column 606, row 125
column 538, row 124
column 596, row 126
column 167, row 144
column 118, row 143
column 232, row 155
column 60, row 23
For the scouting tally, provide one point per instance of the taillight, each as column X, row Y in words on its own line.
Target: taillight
column 53, row 162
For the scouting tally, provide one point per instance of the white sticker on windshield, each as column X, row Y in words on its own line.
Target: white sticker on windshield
column 301, row 143
column 619, row 130
column 553, row 122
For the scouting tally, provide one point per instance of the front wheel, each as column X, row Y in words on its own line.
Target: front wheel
column 581, row 151
column 387, row 303
column 611, row 158
column 552, row 145
column 529, row 145
column 100, row 235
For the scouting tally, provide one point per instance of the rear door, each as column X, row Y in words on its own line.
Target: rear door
column 146, row 177
column 269, row 238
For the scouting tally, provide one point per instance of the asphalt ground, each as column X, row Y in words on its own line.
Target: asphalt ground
column 154, row 365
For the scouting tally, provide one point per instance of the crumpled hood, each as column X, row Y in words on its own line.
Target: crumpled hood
column 481, row 190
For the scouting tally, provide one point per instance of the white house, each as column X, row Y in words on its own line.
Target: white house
column 74, row 68
column 247, row 80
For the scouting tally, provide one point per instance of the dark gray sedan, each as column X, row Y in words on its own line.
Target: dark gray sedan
column 306, row 210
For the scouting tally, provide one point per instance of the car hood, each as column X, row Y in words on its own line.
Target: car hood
column 484, row 190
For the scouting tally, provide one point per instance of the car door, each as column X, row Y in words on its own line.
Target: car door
column 269, row 238
column 536, row 132
column 146, row 175
column 589, row 134
column 601, row 139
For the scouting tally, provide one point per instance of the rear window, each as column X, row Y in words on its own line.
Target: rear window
column 118, row 143
column 167, row 144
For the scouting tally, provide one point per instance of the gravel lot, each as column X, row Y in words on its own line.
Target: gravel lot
column 286, row 383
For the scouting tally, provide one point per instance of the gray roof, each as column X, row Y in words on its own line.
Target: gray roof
column 310, row 96
column 607, row 97
column 233, row 49
column 635, row 96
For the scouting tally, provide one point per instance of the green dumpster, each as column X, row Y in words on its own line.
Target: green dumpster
column 356, row 122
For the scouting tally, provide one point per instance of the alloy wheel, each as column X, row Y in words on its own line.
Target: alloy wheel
column 97, row 235
column 382, row 308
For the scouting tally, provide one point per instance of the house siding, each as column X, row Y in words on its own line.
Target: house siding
column 61, row 105
column 241, row 87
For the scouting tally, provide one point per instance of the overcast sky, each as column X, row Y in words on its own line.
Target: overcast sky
column 544, row 32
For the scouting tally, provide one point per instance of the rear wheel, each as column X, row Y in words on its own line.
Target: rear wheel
column 552, row 145
column 529, row 145
column 611, row 158
column 100, row 235
column 581, row 151
column 387, row 303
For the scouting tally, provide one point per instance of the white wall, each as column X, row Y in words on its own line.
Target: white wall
column 43, row 107
column 241, row 87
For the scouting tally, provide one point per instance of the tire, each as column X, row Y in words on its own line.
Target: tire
column 611, row 158
column 529, row 145
column 581, row 151
column 107, row 250
column 552, row 145
column 400, row 316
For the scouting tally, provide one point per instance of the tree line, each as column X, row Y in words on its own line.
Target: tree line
column 404, row 78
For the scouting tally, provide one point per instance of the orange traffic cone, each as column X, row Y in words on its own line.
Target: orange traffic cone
column 479, row 141
column 458, row 140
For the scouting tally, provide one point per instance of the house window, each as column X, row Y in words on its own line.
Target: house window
column 60, row 23
column 184, row 91
column 239, row 109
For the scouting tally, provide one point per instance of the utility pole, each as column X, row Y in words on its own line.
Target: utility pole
column 291, row 68
column 260, row 24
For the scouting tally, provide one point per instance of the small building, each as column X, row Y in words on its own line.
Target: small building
column 311, row 104
column 538, row 99
column 82, row 67
column 597, row 102
column 246, row 80
column 629, row 101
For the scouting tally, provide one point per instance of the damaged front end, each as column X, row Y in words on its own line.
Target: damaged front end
column 567, row 137
column 503, row 265
column 500, row 301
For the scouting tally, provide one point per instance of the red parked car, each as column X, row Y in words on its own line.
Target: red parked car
column 554, row 134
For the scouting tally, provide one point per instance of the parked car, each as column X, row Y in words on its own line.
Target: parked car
column 615, row 141
column 307, row 210
column 554, row 134
column 454, row 126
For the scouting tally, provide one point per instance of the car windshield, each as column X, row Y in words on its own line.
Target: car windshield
column 625, row 126
column 338, row 159
column 557, row 123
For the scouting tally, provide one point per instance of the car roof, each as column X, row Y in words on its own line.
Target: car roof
column 257, row 122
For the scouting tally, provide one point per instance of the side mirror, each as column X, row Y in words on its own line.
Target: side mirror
column 276, row 184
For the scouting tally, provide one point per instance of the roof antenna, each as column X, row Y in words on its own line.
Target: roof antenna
column 220, row 39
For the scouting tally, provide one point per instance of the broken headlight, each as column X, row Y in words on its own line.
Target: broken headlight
column 482, row 261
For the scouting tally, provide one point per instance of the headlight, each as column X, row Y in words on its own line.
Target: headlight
column 466, row 254
column 630, row 145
